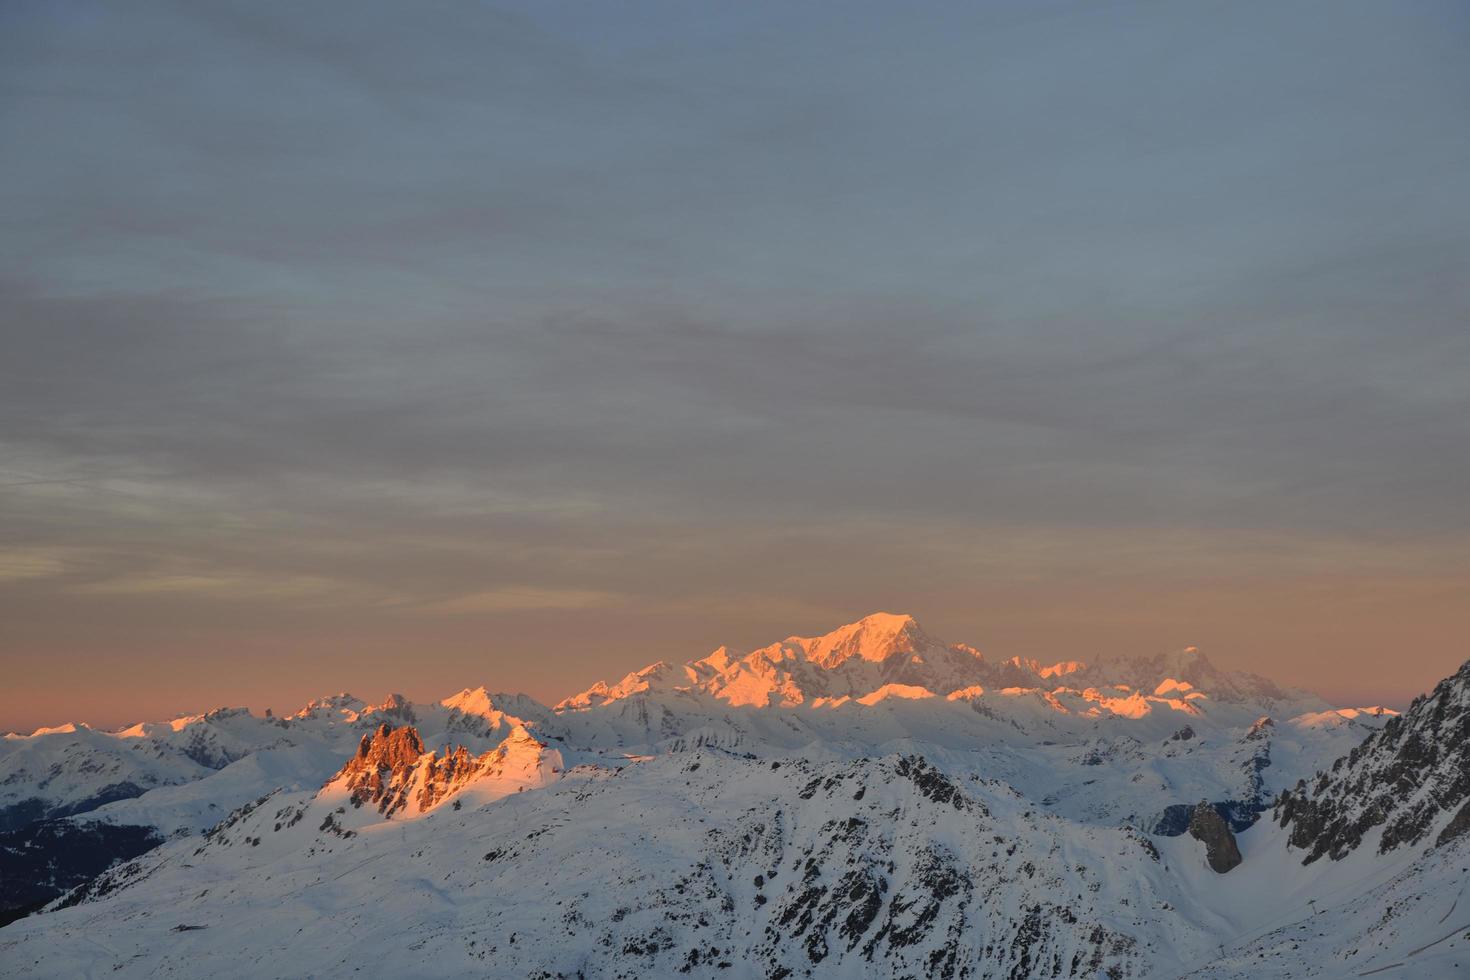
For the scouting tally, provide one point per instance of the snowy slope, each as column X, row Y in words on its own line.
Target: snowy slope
column 74, row 769
column 71, row 769
column 724, row 865
column 871, row 801
column 80, row 800
column 711, row 864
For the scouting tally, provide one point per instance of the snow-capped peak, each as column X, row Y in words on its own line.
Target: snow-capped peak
column 471, row 702
column 873, row 638
column 853, row 662
column 659, row 676
column 70, row 728
column 342, row 705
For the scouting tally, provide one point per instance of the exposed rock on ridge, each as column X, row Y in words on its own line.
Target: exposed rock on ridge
column 1208, row 827
column 1403, row 778
column 393, row 774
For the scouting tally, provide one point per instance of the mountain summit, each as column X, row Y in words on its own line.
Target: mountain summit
column 874, row 638
column 886, row 654
column 869, row 800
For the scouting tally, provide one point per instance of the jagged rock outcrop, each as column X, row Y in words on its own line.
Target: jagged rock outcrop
column 1208, row 827
column 1404, row 778
column 383, row 768
column 393, row 773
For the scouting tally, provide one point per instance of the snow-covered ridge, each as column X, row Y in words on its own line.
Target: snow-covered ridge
column 394, row 775
column 866, row 661
column 873, row 663
column 873, row 800
column 852, row 662
column 74, row 769
column 1409, row 779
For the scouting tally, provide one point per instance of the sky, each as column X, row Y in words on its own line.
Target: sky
column 388, row 347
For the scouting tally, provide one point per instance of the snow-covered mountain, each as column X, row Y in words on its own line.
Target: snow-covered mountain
column 74, row 769
column 129, row 790
column 885, row 655
column 392, row 774
column 870, row 801
column 1398, row 785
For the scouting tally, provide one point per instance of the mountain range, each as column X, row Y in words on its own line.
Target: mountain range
column 873, row 801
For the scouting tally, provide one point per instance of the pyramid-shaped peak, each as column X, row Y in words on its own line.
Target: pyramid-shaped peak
column 470, row 701
column 892, row 622
column 875, row 637
column 719, row 659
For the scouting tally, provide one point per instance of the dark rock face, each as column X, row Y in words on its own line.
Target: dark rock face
column 44, row 861
column 1220, row 848
column 1404, row 778
column 1457, row 827
column 1238, row 816
column 891, row 898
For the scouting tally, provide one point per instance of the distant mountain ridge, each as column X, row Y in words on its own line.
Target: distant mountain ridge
column 883, row 657
column 884, row 650
column 869, row 800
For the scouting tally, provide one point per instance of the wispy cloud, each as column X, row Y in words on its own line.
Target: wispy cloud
column 254, row 588
column 17, row 564
column 518, row 600
column 363, row 322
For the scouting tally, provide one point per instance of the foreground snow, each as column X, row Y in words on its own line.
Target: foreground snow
column 871, row 802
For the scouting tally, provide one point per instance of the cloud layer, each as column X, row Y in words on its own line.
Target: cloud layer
column 524, row 334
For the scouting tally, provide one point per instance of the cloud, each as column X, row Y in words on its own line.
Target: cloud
column 518, row 600
column 31, row 563
column 248, row 588
column 381, row 316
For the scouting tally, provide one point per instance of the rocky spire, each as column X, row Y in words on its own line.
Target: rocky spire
column 391, row 771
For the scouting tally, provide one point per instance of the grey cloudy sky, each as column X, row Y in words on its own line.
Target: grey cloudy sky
column 415, row 346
